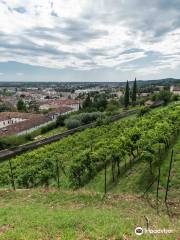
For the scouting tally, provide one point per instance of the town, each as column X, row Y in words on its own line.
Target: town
column 26, row 108
column 89, row 120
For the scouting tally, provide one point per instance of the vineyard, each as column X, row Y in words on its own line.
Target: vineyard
column 77, row 159
column 100, row 183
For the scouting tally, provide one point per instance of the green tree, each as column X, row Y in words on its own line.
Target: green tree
column 126, row 95
column 165, row 95
column 100, row 102
column 112, row 106
column 134, row 92
column 33, row 106
column 87, row 103
column 21, row 106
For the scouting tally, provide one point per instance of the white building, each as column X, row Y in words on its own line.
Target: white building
column 175, row 90
column 10, row 121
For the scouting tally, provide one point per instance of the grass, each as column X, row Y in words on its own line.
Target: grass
column 38, row 214
column 85, row 214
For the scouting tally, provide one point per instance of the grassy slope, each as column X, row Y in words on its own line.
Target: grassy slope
column 84, row 214
column 48, row 215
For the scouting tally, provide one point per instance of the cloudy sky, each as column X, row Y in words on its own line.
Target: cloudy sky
column 84, row 40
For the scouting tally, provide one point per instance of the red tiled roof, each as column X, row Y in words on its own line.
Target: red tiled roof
column 177, row 89
column 61, row 110
column 32, row 120
column 62, row 102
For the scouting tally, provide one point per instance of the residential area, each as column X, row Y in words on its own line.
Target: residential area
column 24, row 109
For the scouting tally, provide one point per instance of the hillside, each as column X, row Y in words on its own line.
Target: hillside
column 55, row 215
column 61, row 186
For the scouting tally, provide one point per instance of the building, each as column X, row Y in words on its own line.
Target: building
column 14, row 123
column 59, row 111
column 57, row 103
column 144, row 94
column 148, row 103
column 154, row 104
column 175, row 90
column 119, row 94
column 10, row 101
column 88, row 90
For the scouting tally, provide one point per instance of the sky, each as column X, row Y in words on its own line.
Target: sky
column 84, row 40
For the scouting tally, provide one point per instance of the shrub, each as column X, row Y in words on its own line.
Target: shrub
column 72, row 123
column 143, row 110
column 29, row 137
column 61, row 120
column 175, row 97
column 86, row 118
column 48, row 127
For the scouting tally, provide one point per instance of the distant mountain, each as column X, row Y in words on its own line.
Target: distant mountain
column 165, row 81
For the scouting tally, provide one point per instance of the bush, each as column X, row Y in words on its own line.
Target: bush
column 29, row 137
column 48, row 127
column 103, row 121
column 72, row 123
column 143, row 110
column 61, row 120
column 86, row 118
column 112, row 107
column 175, row 97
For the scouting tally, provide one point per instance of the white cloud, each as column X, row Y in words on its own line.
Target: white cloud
column 82, row 34
column 19, row 74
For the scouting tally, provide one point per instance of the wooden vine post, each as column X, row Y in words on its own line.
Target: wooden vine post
column 105, row 177
column 159, row 174
column 57, row 172
column 11, row 175
column 169, row 173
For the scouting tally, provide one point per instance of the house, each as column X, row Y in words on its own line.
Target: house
column 57, row 103
column 15, row 123
column 59, row 111
column 148, row 103
column 154, row 104
column 119, row 94
column 144, row 94
column 175, row 90
column 10, row 101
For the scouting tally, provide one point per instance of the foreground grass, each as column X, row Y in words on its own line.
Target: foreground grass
column 40, row 214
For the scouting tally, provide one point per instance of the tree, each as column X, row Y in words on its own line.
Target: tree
column 21, row 106
column 112, row 106
column 134, row 92
column 33, row 106
column 87, row 103
column 60, row 121
column 163, row 95
column 126, row 95
column 100, row 102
